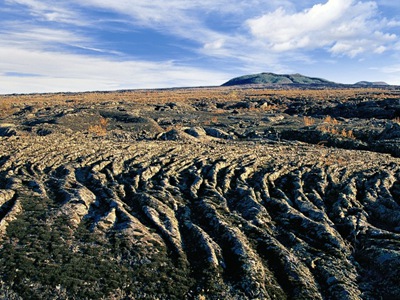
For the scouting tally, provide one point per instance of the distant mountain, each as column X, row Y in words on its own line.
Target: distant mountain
column 277, row 79
column 371, row 83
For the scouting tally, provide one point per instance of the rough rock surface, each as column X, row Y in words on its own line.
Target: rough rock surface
column 88, row 216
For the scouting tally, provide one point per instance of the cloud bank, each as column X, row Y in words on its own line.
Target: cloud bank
column 342, row 27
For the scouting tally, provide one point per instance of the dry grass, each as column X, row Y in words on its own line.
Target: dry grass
column 220, row 94
column 99, row 129
column 348, row 133
column 214, row 120
column 6, row 108
column 261, row 108
column 177, row 126
column 330, row 120
column 268, row 107
column 330, row 126
column 335, row 131
column 219, row 111
column 308, row 121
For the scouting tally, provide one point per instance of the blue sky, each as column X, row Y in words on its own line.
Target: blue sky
column 86, row 45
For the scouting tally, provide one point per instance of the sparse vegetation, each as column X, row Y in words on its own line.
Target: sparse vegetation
column 6, row 107
column 223, row 94
column 37, row 256
column 309, row 121
column 99, row 129
column 330, row 120
column 211, row 121
column 336, row 131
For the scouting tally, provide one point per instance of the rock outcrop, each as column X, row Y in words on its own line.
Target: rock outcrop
column 241, row 221
column 201, row 194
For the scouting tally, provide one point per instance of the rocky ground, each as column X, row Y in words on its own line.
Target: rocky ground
column 213, row 193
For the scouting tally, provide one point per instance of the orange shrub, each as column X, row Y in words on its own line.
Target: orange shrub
column 99, row 129
column 308, row 121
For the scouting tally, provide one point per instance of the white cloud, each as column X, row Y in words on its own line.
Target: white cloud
column 37, row 35
column 51, row 11
column 350, row 48
column 53, row 72
column 217, row 44
column 391, row 69
column 334, row 25
column 176, row 17
column 36, row 39
column 343, row 26
column 224, row 30
column 280, row 26
column 37, row 59
column 380, row 49
column 391, row 73
column 191, row 20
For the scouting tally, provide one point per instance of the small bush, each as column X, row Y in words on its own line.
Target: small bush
column 99, row 129
column 308, row 121
column 6, row 108
column 330, row 120
column 335, row 131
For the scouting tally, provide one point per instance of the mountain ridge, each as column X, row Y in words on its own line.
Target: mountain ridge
column 276, row 79
column 371, row 83
column 269, row 78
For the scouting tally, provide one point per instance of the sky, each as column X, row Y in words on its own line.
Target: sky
column 95, row 45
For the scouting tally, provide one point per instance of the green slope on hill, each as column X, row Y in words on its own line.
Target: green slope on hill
column 271, row 78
